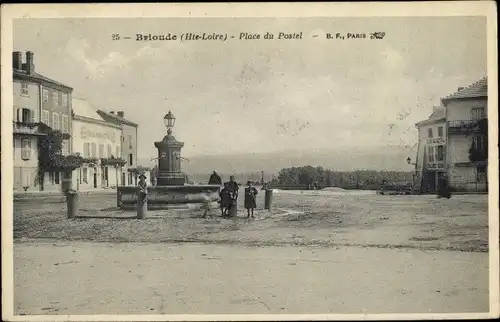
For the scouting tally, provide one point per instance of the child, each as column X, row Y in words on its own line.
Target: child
column 206, row 203
column 250, row 193
column 225, row 200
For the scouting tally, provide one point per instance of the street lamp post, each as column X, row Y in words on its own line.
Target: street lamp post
column 408, row 160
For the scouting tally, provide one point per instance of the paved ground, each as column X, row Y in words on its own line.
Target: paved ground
column 314, row 253
column 355, row 219
column 97, row 278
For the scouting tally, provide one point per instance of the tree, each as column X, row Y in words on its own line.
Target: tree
column 137, row 171
column 49, row 154
column 116, row 163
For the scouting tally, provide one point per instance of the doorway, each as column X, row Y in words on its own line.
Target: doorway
column 429, row 181
column 95, row 179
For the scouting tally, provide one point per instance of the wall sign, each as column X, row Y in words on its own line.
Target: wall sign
column 88, row 133
column 435, row 166
column 436, row 141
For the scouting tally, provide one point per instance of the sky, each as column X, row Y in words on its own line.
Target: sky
column 251, row 96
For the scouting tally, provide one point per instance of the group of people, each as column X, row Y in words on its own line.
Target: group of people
column 228, row 196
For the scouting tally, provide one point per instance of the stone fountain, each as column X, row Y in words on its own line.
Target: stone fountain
column 171, row 190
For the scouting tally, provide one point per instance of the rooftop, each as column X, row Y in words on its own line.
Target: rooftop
column 40, row 77
column 82, row 107
column 108, row 116
column 475, row 90
column 438, row 114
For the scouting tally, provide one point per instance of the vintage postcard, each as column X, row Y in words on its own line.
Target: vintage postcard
column 279, row 161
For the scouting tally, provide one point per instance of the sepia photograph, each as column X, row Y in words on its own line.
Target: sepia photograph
column 187, row 162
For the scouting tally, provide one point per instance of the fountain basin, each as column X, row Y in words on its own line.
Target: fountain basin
column 169, row 197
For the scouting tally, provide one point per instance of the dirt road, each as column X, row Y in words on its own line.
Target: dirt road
column 135, row 278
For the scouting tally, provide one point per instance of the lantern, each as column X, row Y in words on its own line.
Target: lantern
column 169, row 120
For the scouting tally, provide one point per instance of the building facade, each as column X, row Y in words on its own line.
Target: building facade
column 37, row 99
column 465, row 110
column 447, row 139
column 431, row 155
column 25, row 131
column 94, row 138
column 128, row 143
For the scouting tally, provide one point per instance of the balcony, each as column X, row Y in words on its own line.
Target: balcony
column 26, row 128
column 466, row 126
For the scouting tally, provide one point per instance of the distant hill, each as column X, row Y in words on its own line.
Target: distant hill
column 391, row 158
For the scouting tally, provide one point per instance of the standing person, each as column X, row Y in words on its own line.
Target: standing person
column 215, row 179
column 443, row 188
column 207, row 199
column 250, row 194
column 233, row 188
column 225, row 200
column 143, row 187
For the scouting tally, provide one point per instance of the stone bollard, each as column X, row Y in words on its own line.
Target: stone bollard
column 268, row 199
column 142, row 206
column 72, row 203
column 118, row 197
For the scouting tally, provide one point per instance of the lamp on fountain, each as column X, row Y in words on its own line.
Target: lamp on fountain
column 169, row 156
column 169, row 120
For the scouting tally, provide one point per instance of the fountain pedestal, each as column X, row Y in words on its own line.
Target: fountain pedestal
column 169, row 161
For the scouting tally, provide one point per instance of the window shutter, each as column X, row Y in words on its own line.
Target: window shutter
column 32, row 116
column 18, row 118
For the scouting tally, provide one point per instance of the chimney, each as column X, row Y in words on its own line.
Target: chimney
column 120, row 114
column 17, row 60
column 30, row 66
column 460, row 88
column 112, row 112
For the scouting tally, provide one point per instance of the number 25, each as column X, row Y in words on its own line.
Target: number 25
column 115, row 36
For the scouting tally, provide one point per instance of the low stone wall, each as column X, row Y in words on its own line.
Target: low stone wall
column 168, row 197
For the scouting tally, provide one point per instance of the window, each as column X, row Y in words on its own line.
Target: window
column 24, row 88
column 64, row 123
column 429, row 131
column 86, row 150
column 477, row 114
column 25, row 115
column 482, row 174
column 440, row 152
column 65, row 100
column 45, row 95
column 440, row 131
column 25, row 149
column 94, row 148
column 101, row 151
column 59, row 99
column 55, row 97
column 430, row 153
column 478, row 142
column 110, row 152
column 85, row 175
column 130, row 159
column 130, row 141
column 45, row 117
column 55, row 121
